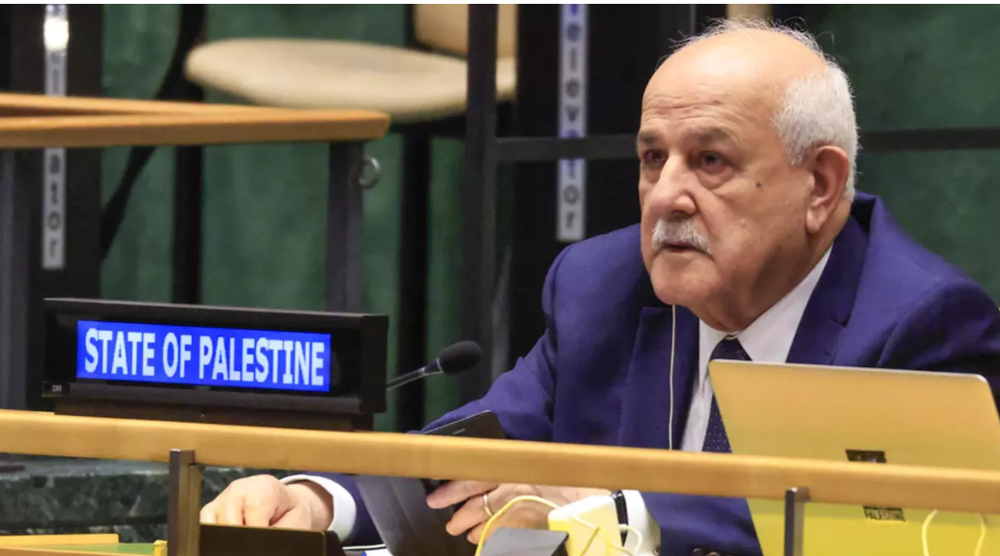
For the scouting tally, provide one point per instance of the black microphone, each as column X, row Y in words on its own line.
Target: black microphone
column 453, row 360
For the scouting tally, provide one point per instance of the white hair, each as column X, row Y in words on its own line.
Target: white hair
column 817, row 109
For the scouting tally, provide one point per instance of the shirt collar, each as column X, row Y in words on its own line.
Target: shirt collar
column 769, row 338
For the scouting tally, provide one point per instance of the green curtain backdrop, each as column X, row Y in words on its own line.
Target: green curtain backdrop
column 927, row 66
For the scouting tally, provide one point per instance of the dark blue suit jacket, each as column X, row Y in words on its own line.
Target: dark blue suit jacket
column 599, row 373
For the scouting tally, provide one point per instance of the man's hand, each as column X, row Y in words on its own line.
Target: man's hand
column 264, row 501
column 471, row 517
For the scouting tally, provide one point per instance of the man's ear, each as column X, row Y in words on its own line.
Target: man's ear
column 830, row 170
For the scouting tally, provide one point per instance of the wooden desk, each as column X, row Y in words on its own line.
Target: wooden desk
column 545, row 463
column 189, row 128
column 187, row 445
column 17, row 104
column 36, row 122
column 32, row 121
column 648, row 470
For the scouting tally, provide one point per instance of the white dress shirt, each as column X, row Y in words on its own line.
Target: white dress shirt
column 345, row 509
column 768, row 339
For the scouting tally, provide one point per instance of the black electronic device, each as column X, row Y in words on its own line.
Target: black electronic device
column 398, row 505
column 508, row 541
column 481, row 425
column 258, row 367
column 226, row 540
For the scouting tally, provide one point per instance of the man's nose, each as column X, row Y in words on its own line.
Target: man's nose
column 672, row 191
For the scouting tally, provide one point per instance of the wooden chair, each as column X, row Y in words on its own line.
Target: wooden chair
column 410, row 85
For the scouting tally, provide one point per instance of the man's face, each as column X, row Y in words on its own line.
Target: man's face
column 723, row 209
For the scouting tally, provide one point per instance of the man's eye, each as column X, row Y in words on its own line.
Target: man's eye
column 712, row 161
column 653, row 158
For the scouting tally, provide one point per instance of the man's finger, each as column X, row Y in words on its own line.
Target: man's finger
column 259, row 510
column 220, row 517
column 476, row 533
column 467, row 517
column 455, row 492
column 232, row 509
column 295, row 518
column 208, row 513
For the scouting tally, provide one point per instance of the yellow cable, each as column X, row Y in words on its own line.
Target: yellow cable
column 982, row 535
column 923, row 532
column 595, row 531
column 927, row 523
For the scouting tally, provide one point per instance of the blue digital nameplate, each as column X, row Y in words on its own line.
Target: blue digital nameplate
column 227, row 357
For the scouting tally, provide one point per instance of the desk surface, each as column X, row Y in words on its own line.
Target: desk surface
column 26, row 432
column 20, row 105
column 33, row 121
column 67, row 545
column 88, row 550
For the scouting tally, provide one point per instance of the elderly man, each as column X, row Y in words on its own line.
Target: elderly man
column 753, row 245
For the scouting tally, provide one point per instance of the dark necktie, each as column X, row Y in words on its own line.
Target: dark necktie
column 715, row 437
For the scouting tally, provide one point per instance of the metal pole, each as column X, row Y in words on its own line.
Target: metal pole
column 345, row 214
column 188, row 167
column 14, row 287
column 184, row 504
column 411, row 332
column 795, row 516
column 479, row 194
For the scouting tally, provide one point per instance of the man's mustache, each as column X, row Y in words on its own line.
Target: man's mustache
column 679, row 231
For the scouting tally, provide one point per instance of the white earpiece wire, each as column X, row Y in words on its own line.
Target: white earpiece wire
column 673, row 344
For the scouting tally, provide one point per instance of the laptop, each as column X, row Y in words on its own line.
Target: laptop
column 866, row 415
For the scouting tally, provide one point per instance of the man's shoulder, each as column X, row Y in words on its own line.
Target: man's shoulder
column 914, row 309
column 606, row 251
column 905, row 287
column 898, row 260
column 602, row 272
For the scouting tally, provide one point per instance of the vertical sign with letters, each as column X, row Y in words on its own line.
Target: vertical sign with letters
column 56, row 35
column 572, row 179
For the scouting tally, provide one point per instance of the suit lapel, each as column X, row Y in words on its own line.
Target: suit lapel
column 647, row 403
column 830, row 305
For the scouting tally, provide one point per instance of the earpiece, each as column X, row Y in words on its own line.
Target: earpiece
column 673, row 345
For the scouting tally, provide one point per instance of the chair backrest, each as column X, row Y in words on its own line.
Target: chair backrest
column 446, row 27
column 754, row 11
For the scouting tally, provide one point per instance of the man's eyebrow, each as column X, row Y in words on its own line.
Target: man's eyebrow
column 704, row 136
column 646, row 137
column 713, row 135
